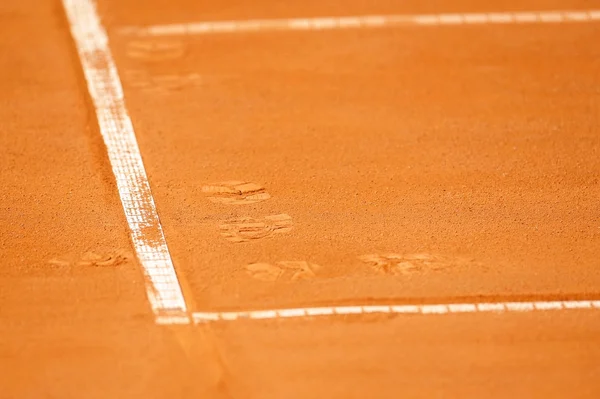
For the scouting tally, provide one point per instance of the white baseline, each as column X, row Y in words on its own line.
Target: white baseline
column 429, row 309
column 104, row 86
column 365, row 21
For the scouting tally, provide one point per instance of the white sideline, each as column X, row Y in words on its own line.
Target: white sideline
column 364, row 21
column 104, row 85
column 505, row 307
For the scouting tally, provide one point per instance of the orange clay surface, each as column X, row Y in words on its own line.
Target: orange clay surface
column 413, row 165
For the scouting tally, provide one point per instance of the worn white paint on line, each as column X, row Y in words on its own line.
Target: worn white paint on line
column 426, row 309
column 176, row 318
column 364, row 21
column 104, row 85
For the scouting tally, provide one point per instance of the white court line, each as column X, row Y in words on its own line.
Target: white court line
column 364, row 21
column 104, row 85
column 502, row 307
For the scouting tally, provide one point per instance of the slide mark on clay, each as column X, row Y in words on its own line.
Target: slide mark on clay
column 161, row 84
column 155, row 50
column 91, row 258
column 409, row 264
column 236, row 192
column 247, row 229
column 292, row 270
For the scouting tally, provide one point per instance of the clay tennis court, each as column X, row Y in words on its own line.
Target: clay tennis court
column 299, row 199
